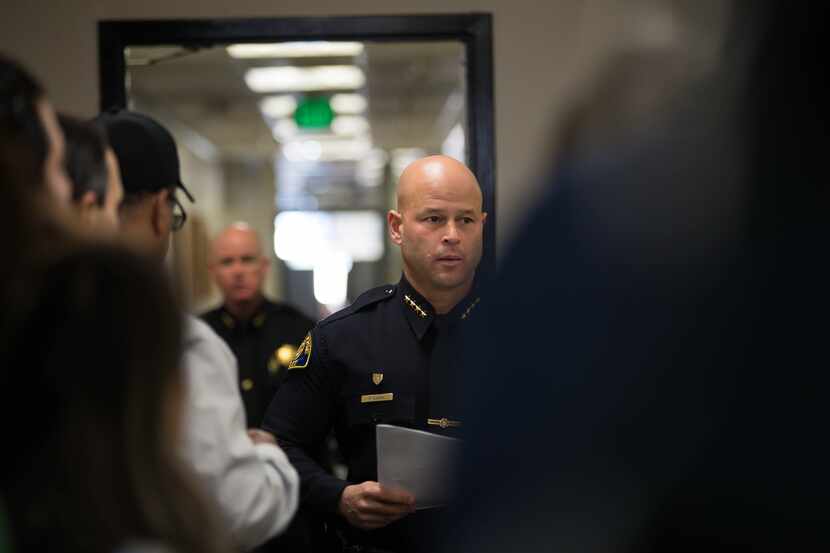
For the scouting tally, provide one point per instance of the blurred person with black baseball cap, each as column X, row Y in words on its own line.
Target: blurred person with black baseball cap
column 149, row 166
column 247, row 474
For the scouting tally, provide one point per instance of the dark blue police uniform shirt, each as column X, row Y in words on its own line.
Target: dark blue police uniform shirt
column 387, row 358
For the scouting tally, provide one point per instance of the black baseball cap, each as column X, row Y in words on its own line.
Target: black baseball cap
column 145, row 150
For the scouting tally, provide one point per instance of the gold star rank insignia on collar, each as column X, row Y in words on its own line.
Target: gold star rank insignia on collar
column 303, row 354
column 472, row 306
column 415, row 307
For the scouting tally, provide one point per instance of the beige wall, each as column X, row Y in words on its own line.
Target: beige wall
column 226, row 192
column 543, row 51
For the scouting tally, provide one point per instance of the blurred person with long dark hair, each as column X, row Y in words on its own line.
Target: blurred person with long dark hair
column 29, row 132
column 666, row 390
column 89, row 410
column 95, row 343
column 34, row 189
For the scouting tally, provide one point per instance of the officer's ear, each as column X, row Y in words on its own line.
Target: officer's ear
column 394, row 220
column 87, row 206
column 161, row 216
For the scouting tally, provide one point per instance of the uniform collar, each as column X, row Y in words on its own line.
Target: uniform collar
column 257, row 320
column 417, row 310
column 420, row 314
column 466, row 307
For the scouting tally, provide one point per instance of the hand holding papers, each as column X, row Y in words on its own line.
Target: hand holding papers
column 419, row 462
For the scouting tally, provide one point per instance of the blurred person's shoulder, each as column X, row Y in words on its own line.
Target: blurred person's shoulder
column 199, row 334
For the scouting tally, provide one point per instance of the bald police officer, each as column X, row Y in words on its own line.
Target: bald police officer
column 262, row 334
column 390, row 357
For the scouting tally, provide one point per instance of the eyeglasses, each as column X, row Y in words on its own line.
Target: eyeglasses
column 179, row 214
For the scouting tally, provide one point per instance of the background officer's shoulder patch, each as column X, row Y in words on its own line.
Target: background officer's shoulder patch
column 303, row 354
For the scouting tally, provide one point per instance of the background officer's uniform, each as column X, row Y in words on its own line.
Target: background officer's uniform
column 387, row 358
column 264, row 345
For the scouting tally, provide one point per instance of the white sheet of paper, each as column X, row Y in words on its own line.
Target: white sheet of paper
column 419, row 462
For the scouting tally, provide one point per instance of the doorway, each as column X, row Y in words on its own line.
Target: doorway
column 300, row 127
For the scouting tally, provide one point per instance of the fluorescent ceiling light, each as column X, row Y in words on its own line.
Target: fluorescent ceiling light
column 277, row 107
column 304, row 238
column 349, row 125
column 348, row 104
column 298, row 79
column 284, row 130
column 321, row 149
column 303, row 150
column 315, row 49
column 331, row 279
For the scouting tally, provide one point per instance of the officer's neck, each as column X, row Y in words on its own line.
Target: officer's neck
column 442, row 299
column 244, row 310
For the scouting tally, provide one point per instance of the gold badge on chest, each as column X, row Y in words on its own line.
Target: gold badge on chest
column 281, row 357
column 377, row 378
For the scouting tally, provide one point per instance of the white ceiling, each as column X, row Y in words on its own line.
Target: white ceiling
column 415, row 91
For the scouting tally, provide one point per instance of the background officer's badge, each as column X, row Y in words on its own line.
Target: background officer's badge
column 303, row 354
column 377, row 378
column 282, row 357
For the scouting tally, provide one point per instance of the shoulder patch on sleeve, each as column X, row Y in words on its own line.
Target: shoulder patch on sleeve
column 303, row 354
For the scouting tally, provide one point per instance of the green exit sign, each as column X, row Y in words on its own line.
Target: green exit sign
column 313, row 113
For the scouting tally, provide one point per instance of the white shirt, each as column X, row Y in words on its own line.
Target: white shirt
column 255, row 486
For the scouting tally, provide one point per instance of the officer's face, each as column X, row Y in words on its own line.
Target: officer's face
column 439, row 230
column 238, row 266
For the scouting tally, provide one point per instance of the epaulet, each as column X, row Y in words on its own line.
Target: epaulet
column 364, row 300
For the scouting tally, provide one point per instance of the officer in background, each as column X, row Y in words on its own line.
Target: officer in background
column 390, row 357
column 262, row 334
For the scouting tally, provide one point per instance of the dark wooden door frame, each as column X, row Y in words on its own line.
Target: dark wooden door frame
column 473, row 29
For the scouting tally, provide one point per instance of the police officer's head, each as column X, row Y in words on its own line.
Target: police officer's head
column 238, row 266
column 96, row 180
column 149, row 165
column 438, row 224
